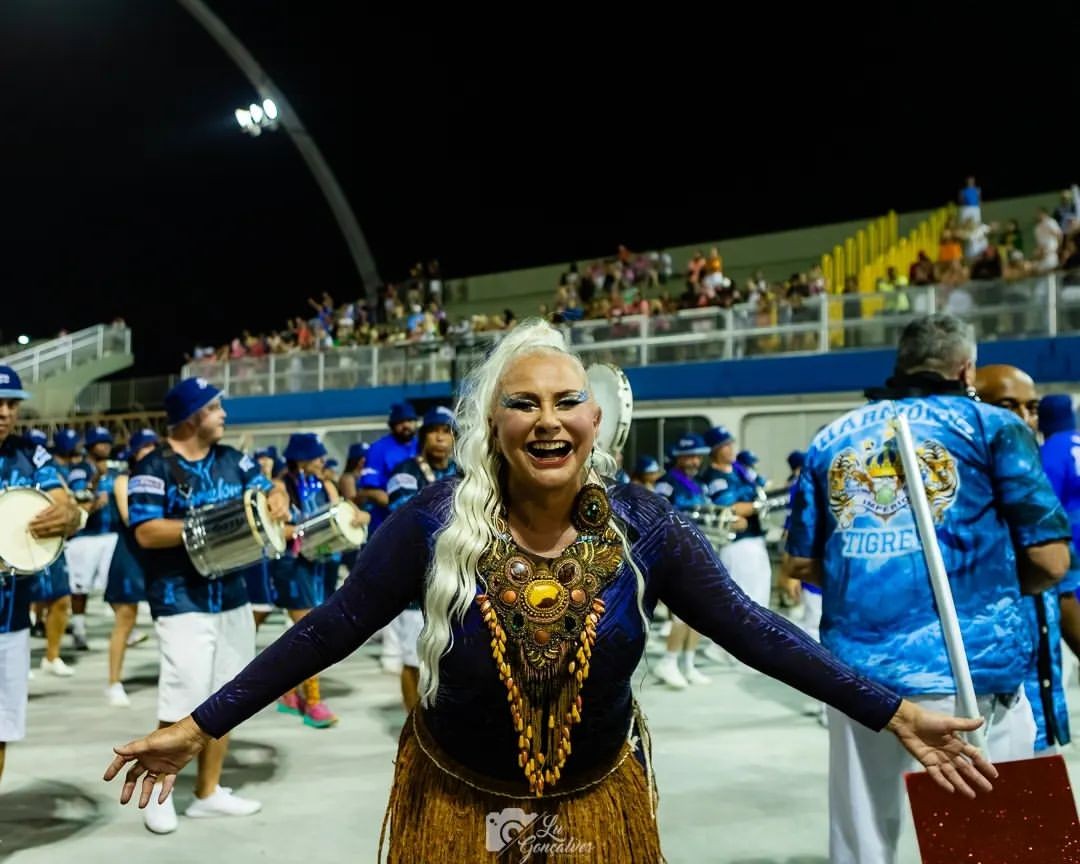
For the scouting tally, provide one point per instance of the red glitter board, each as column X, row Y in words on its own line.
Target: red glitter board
column 1029, row 818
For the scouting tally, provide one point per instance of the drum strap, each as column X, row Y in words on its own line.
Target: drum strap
column 179, row 475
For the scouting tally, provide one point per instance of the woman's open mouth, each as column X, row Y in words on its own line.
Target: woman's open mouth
column 549, row 454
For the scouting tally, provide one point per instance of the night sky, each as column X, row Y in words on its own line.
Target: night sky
column 488, row 143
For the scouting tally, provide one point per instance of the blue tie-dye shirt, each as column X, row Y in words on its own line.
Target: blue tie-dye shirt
column 107, row 519
column 726, row 488
column 173, row 585
column 22, row 464
column 987, row 494
column 77, row 475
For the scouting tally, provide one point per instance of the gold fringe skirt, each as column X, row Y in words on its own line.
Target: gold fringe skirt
column 440, row 811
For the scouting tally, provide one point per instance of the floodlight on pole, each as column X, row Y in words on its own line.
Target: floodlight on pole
column 277, row 110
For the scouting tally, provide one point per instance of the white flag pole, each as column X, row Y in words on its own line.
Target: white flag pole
column 966, row 703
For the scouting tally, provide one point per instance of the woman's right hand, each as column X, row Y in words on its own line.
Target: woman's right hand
column 160, row 756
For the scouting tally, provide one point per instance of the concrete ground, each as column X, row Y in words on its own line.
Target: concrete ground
column 741, row 771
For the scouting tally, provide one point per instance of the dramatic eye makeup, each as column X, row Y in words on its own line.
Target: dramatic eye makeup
column 572, row 399
column 517, row 402
column 528, row 401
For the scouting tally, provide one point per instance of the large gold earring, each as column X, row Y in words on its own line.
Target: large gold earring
column 591, row 510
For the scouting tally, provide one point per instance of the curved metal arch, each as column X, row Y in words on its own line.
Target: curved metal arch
column 290, row 121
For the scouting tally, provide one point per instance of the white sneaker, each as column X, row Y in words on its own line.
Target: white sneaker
column 57, row 667
column 137, row 637
column 160, row 818
column 222, row 803
column 667, row 670
column 116, row 696
column 693, row 676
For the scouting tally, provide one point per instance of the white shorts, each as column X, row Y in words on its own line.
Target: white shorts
column 747, row 560
column 200, row 652
column 14, row 689
column 88, row 561
column 407, row 627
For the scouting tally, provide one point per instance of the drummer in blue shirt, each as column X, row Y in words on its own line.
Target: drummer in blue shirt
column 680, row 488
column 385, row 455
column 382, row 457
column 23, row 465
column 205, row 628
column 299, row 580
column 50, row 590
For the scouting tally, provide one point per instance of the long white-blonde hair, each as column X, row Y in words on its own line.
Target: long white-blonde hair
column 452, row 574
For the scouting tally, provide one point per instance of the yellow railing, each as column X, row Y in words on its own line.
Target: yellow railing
column 873, row 250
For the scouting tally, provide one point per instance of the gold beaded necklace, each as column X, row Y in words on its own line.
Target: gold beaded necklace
column 542, row 614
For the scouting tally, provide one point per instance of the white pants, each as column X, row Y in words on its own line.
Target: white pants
column 407, row 627
column 747, row 561
column 88, row 560
column 14, row 689
column 391, row 644
column 811, row 617
column 866, row 774
column 200, row 652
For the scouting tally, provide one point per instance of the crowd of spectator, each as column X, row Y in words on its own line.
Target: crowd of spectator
column 628, row 283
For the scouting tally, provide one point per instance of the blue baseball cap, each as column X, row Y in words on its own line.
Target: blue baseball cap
column 303, row 447
column 439, row 416
column 11, row 384
column 36, row 436
column 332, row 463
column 690, row 445
column 796, row 459
column 400, row 412
column 358, row 451
column 646, row 464
column 66, row 441
column 718, row 436
column 1056, row 414
column 99, row 435
column 141, row 439
column 748, row 458
column 187, row 397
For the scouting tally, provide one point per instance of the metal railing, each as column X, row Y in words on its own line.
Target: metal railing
column 1037, row 306
column 65, row 352
column 132, row 394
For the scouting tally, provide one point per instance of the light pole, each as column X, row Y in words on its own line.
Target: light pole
column 289, row 120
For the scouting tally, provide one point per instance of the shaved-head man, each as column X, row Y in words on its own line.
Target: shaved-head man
column 1054, row 614
column 1009, row 388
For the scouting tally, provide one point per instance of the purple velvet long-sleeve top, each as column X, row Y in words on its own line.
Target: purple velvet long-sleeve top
column 470, row 719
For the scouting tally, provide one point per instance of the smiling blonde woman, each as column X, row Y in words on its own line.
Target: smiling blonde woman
column 536, row 576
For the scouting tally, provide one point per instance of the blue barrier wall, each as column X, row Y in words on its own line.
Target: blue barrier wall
column 837, row 372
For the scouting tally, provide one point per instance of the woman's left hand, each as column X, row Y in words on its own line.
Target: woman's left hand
column 934, row 740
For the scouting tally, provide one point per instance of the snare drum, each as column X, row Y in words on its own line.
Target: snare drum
column 331, row 530
column 715, row 523
column 223, row 537
column 21, row 552
column 611, row 389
